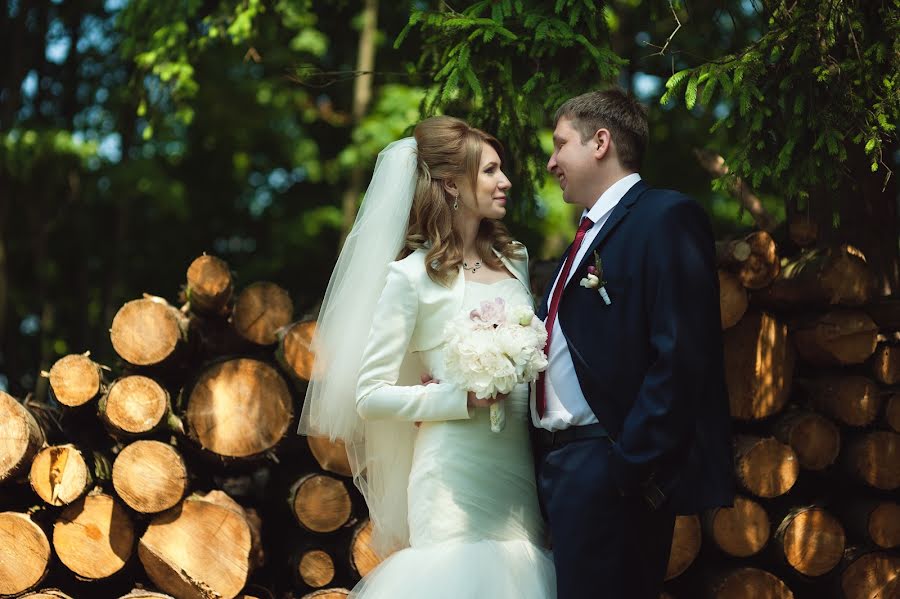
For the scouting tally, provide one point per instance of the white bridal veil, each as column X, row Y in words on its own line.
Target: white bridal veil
column 380, row 452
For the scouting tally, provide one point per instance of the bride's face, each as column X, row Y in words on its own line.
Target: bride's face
column 488, row 199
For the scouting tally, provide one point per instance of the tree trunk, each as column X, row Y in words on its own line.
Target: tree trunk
column 740, row 531
column 150, row 476
column 331, row 456
column 810, row 540
column 94, row 537
column 874, row 459
column 765, row 467
column 686, row 539
column 294, row 352
column 759, row 366
column 209, row 285
column 24, row 554
column 147, row 332
column 815, row 439
column 197, row 549
column 260, row 311
column 135, row 405
column 886, row 364
column 20, row 439
column 75, row 380
column 320, row 503
column 239, row 408
column 749, row 583
column 732, row 299
column 853, row 400
column 60, row 474
column 836, row 338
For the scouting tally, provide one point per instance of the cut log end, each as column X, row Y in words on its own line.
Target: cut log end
column 886, row 364
column 763, row 264
column 853, row 400
column 732, row 299
column 24, row 554
column 75, row 380
column 686, row 539
column 150, row 476
column 331, row 456
column 836, row 338
column 260, row 311
column 146, row 332
column 134, row 405
column 875, row 459
column 742, row 530
column 320, row 503
column 751, row 583
column 295, row 345
column 815, row 439
column 94, row 537
column 884, row 525
column 60, row 475
column 363, row 558
column 765, row 467
column 811, row 541
column 209, row 284
column 871, row 576
column 20, row 438
column 316, row 568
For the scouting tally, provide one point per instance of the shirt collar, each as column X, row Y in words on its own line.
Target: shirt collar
column 606, row 202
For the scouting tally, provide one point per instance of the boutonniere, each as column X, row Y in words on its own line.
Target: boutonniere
column 594, row 279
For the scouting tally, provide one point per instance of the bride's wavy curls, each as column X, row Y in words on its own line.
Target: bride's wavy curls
column 449, row 149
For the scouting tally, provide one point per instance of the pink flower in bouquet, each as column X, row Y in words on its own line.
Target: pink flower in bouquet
column 491, row 314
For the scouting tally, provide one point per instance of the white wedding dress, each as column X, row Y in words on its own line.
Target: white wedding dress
column 475, row 525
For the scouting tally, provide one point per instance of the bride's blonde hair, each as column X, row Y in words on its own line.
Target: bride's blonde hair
column 449, row 149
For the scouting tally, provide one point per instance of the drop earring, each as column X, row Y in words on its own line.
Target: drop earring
column 456, row 202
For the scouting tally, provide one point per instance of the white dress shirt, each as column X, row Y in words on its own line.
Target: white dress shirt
column 565, row 403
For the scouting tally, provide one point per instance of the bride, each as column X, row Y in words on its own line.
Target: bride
column 453, row 504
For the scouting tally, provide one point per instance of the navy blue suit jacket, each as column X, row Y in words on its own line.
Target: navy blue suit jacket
column 650, row 363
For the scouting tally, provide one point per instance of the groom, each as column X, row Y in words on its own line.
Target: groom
column 632, row 415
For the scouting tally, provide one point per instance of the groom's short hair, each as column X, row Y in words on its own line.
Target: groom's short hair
column 612, row 109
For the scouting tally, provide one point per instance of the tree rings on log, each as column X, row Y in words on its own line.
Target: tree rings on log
column 75, row 380
column 260, row 311
column 811, row 540
column 295, row 352
column 134, row 405
column 815, row 439
column 20, row 438
column 24, row 553
column 60, row 474
column 94, row 537
column 320, row 503
column 686, row 540
column 765, row 467
column 331, row 455
column 145, row 332
column 739, row 531
column 150, row 476
column 209, row 285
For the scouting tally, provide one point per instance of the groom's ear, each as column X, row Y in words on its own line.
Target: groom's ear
column 602, row 143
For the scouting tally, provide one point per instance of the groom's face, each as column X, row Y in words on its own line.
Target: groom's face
column 573, row 163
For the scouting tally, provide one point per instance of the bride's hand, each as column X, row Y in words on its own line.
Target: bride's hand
column 474, row 402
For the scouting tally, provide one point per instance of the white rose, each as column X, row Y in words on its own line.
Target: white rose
column 521, row 314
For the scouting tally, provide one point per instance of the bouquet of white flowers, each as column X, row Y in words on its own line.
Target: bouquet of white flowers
column 494, row 348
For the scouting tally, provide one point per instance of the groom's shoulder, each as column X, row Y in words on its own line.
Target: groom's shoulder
column 668, row 202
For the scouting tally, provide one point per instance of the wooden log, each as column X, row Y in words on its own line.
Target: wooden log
column 94, row 537
column 221, row 498
column 749, row 583
column 327, row 594
column 135, row 405
column 810, row 540
column 46, row 594
column 876, row 521
column 886, row 364
column 763, row 264
column 885, row 311
column 209, row 285
column 802, row 229
column 732, row 299
column 144, row 594
column 331, row 455
column 363, row 557
column 150, row 476
column 60, row 474
column 239, row 408
column 740, row 531
column 759, row 366
column 870, row 575
column 874, row 459
column 260, row 310
column 294, row 351
column 686, row 539
column 819, row 278
column 197, row 549
column 314, row 568
column 765, row 467
column 20, row 438
column 815, row 439
column 24, row 554
column 732, row 253
column 850, row 399
column 892, row 411
column 75, row 380
column 148, row 331
column 836, row 338
column 320, row 503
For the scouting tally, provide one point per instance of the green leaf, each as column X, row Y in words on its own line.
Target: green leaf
column 690, row 94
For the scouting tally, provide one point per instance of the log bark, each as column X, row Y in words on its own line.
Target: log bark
column 892, row 411
column 686, row 540
column 853, row 400
column 749, row 583
column 874, row 459
column 150, row 476
column 135, row 405
column 759, row 366
column 320, row 503
column 732, row 253
column 24, row 554
column 260, row 310
column 740, row 531
column 363, row 558
column 765, row 467
column 20, row 438
column 239, row 409
column 870, row 575
column 60, row 474
column 294, row 351
column 94, row 537
column 819, row 278
column 815, row 439
column 75, row 380
column 209, row 285
column 46, row 594
column 886, row 364
column 836, row 338
column 331, row 455
column 147, row 332
column 197, row 549
column 763, row 264
column 314, row 568
column 810, row 540
column 732, row 299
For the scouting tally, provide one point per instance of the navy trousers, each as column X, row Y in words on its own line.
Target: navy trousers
column 604, row 545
